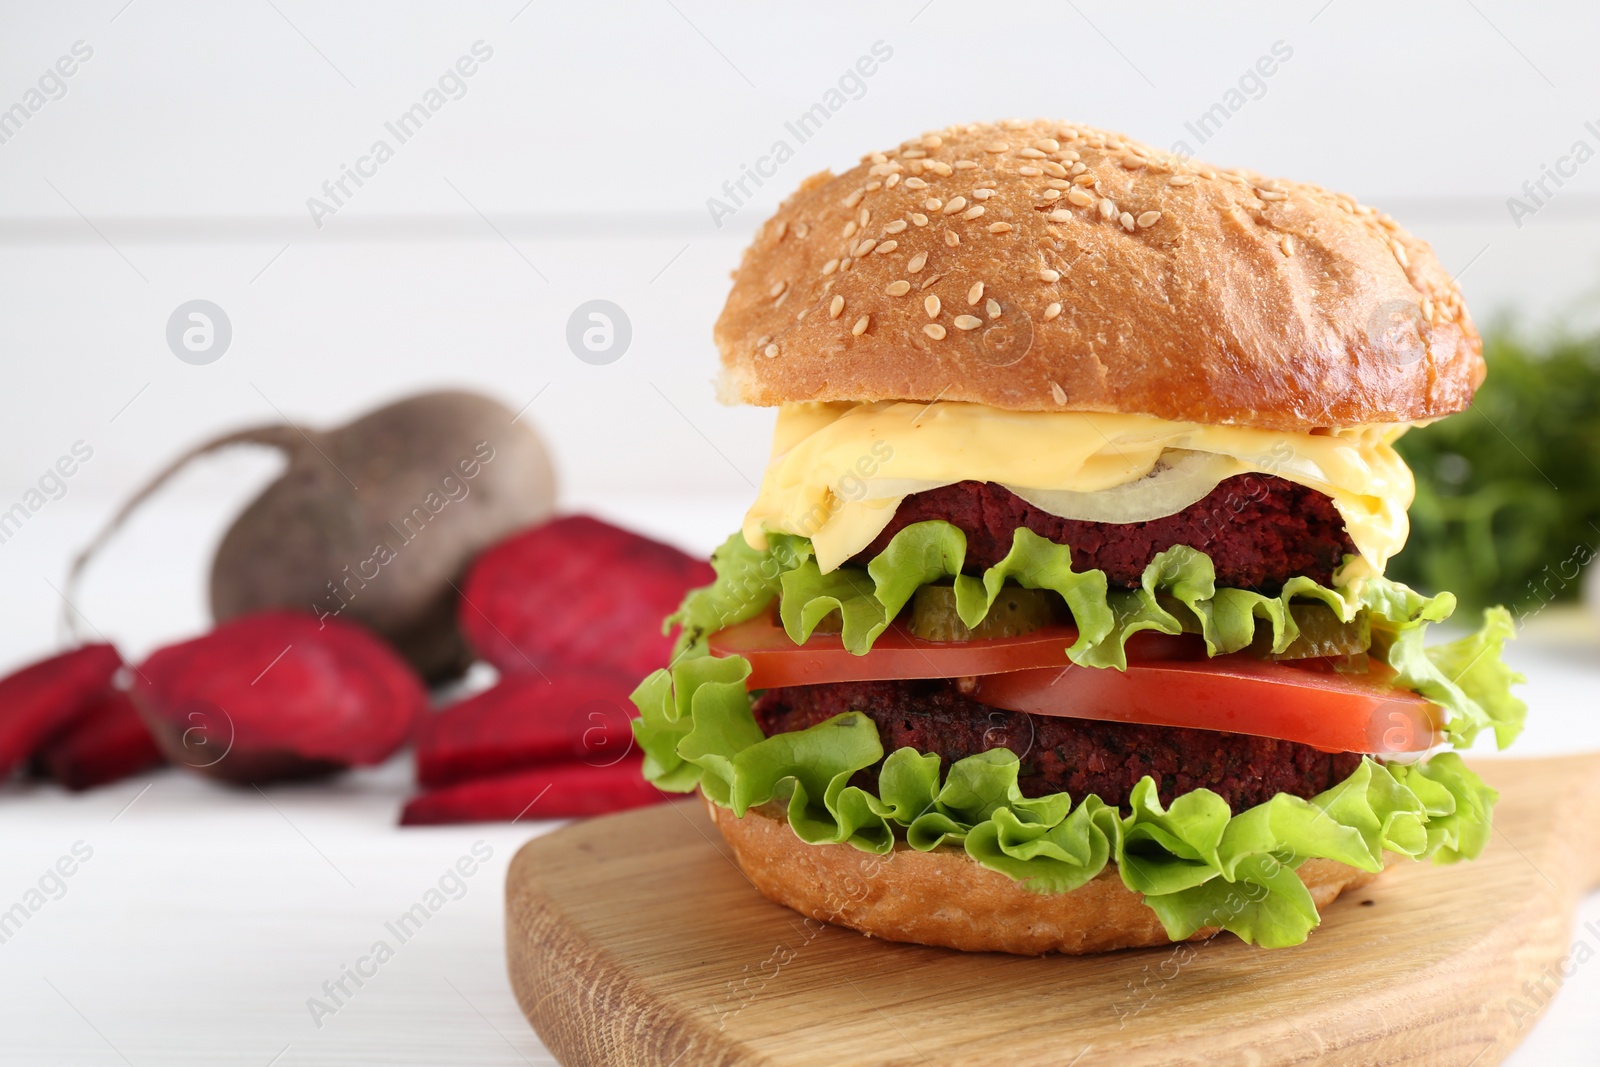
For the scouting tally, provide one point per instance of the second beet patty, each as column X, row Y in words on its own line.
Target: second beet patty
column 1076, row 756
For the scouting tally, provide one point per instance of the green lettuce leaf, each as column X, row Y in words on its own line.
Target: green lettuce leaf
column 1198, row 865
column 1466, row 677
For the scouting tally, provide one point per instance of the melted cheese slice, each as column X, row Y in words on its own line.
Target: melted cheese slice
column 830, row 463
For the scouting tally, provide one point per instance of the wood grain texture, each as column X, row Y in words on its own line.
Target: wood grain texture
column 635, row 941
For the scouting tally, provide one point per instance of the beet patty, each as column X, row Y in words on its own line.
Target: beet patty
column 1076, row 756
column 1259, row 531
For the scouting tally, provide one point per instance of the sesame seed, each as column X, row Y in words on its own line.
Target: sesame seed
column 956, row 204
column 1181, row 179
column 933, row 203
column 844, row 264
column 930, row 304
column 896, row 226
column 934, row 330
column 996, row 146
column 1057, row 393
column 863, row 218
column 1048, row 144
column 1126, row 218
column 1287, row 244
column 1400, row 253
column 916, row 183
column 1031, row 153
column 1078, row 168
column 968, row 322
column 1051, row 310
column 891, row 181
column 783, row 228
column 801, row 229
column 915, row 153
column 1070, row 155
column 992, row 306
column 874, row 185
column 1048, row 275
column 861, row 325
column 835, row 307
column 887, row 247
column 1108, row 209
column 1075, row 196
column 982, row 194
column 1050, row 194
column 964, row 164
column 999, row 227
column 972, row 212
column 1269, row 194
column 952, row 238
column 899, row 288
column 854, row 198
column 932, row 140
column 865, row 246
column 1427, row 309
column 829, row 267
column 1029, row 172
column 975, row 294
column 879, row 157
column 941, row 169
column 1060, row 214
column 914, row 264
column 1132, row 162
column 1059, row 183
column 777, row 289
column 1085, row 178
column 850, row 228
column 770, row 351
column 1054, row 169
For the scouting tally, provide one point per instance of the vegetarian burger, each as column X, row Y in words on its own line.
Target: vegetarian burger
column 1060, row 620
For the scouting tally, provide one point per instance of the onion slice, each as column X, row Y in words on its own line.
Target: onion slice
column 1180, row 478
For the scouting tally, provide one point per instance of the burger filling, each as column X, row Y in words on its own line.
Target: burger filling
column 1062, row 641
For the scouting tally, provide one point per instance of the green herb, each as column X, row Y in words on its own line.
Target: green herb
column 1508, row 492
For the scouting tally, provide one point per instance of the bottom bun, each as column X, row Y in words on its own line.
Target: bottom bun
column 944, row 897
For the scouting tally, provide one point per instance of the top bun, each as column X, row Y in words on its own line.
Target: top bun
column 1042, row 266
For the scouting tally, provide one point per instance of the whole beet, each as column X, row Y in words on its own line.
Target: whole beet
column 375, row 522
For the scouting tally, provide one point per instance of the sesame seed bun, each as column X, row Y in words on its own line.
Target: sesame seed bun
column 975, row 264
column 945, row 898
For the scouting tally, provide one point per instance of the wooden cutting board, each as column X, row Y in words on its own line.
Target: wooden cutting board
column 633, row 940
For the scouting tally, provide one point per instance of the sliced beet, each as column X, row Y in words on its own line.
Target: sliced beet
column 578, row 592
column 575, row 714
column 41, row 700
column 557, row 791
column 107, row 744
column 278, row 694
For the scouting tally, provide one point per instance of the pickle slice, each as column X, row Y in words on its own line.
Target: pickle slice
column 1322, row 635
column 1016, row 611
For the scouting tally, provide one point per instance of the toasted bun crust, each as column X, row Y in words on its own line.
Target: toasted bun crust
column 945, row 898
column 1144, row 283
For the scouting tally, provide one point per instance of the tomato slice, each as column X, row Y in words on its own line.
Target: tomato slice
column 1326, row 709
column 1169, row 682
column 776, row 661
